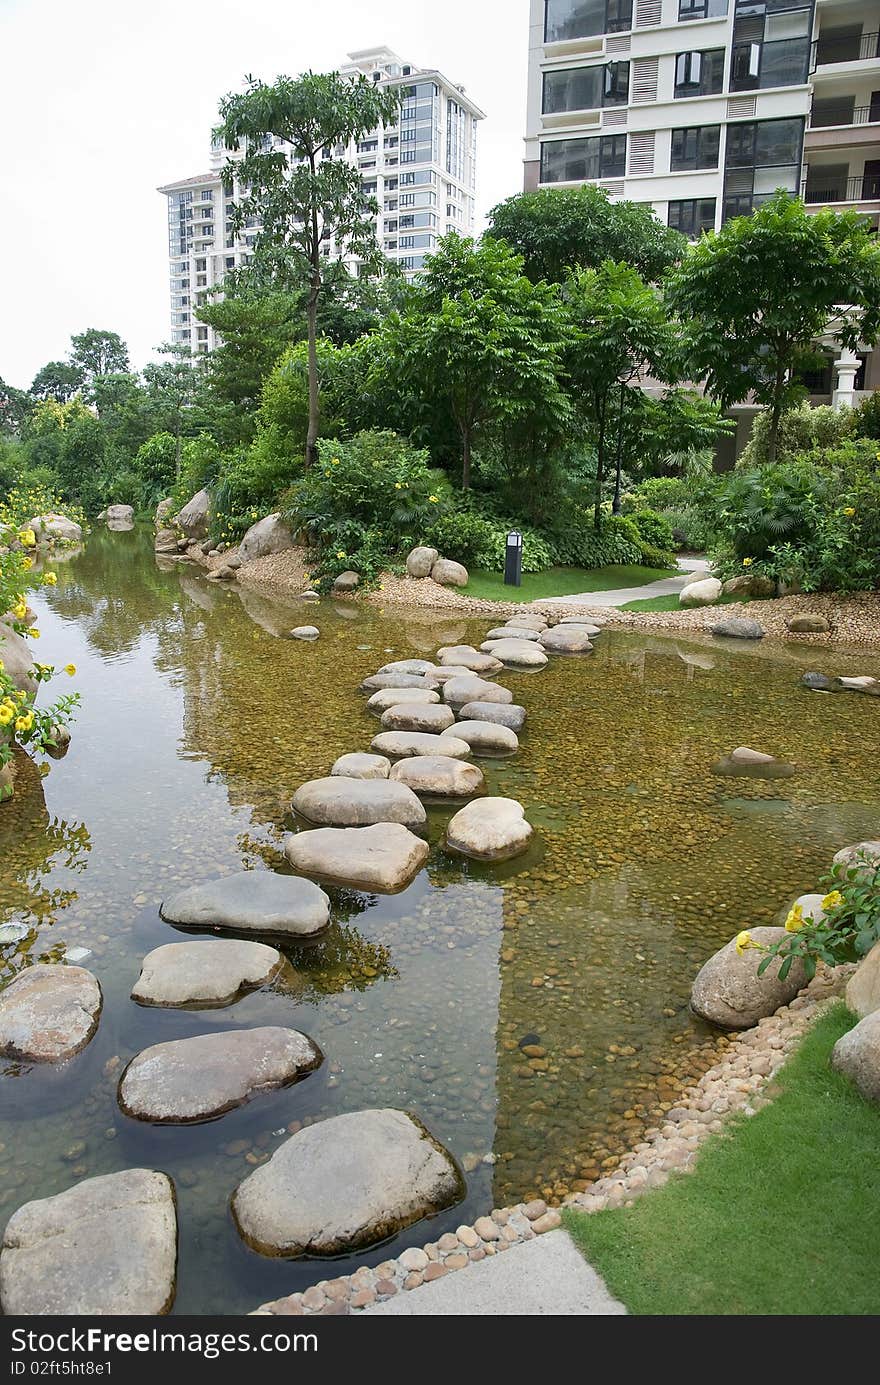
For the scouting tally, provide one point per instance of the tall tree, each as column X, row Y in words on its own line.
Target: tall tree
column 174, row 387
column 302, row 194
column 98, row 352
column 15, row 406
column 758, row 293
column 559, row 229
column 58, row 380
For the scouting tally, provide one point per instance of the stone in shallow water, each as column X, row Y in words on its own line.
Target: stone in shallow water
column 511, row 632
column 490, row 829
column 819, row 682
column 511, row 714
column 438, row 776
column 196, row 1079
column 399, row 744
column 105, row 1247
column 346, row 1183
column 457, row 691
column 529, row 620
column 340, row 802
column 519, row 653
column 380, row 701
column 49, row 1013
column 413, row 716
column 384, row 858
column 305, row 632
column 567, row 639
column 465, row 656
column 377, row 681
column 418, row 667
column 587, row 623
column 359, row 765
column 483, row 737
column 755, row 764
column 214, row 972
column 729, row 992
column 252, row 901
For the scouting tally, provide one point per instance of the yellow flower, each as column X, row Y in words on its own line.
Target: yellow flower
column 340, row 554
column 849, row 511
column 27, row 564
column 70, row 669
column 747, row 562
column 28, row 538
column 49, row 579
column 832, row 900
column 795, row 921
column 34, row 633
column 2, row 666
column 24, row 723
column 743, row 941
column 434, row 499
column 5, row 716
column 20, row 610
column 398, row 486
column 335, row 461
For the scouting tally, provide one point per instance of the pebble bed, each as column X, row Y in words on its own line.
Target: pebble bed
column 738, row 1084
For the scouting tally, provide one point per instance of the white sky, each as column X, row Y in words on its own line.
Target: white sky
column 101, row 101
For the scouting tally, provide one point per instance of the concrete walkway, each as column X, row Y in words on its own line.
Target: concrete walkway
column 544, row 1277
column 666, row 586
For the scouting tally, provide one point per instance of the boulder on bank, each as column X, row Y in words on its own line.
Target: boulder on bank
column 705, row 592
column 339, row 802
column 197, row 1079
column 729, row 992
column 750, row 584
column 857, row 1055
column 359, row 765
column 439, row 776
column 567, row 639
column 737, row 628
column 17, row 658
column 489, row 829
column 55, row 528
column 500, row 714
column 345, row 1183
column 165, row 541
column 416, row 716
column 269, row 535
column 346, row 582
column 384, row 858
column 399, row 745
column 469, row 688
column 483, row 737
column 862, row 860
column 204, row 974
column 449, row 574
column 251, row 901
column 49, row 1013
column 193, row 519
column 807, row 624
column 420, row 561
column 863, row 987
column 105, row 1247
column 164, row 510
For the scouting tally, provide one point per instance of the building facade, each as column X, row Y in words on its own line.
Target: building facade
column 421, row 171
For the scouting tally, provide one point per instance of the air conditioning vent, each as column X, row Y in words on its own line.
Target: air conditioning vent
column 617, row 43
column 644, row 80
column 641, row 152
column 647, row 13
column 741, row 107
column 613, row 189
column 613, row 117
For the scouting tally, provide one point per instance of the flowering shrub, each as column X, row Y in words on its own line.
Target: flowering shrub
column 25, row 501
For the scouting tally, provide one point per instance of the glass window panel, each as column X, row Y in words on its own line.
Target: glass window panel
column 769, row 180
column 778, row 142
column 573, row 19
column 696, row 147
column 580, row 160
column 793, row 24
column 574, row 89
column 784, row 64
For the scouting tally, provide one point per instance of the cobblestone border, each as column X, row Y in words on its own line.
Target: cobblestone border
column 735, row 1084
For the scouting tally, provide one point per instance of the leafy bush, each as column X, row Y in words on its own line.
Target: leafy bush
column 618, row 541
column 654, row 530
column 479, row 539
column 866, row 417
column 800, row 430
column 657, row 493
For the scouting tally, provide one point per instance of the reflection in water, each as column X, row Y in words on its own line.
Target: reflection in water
column 533, row 1014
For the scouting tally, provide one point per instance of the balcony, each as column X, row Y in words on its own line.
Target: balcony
column 841, row 114
column 843, row 48
column 820, row 191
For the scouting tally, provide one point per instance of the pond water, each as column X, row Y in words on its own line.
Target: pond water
column 198, row 722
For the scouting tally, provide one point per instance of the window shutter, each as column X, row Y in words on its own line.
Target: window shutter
column 614, row 116
column 647, row 13
column 617, row 43
column 641, row 151
column 741, row 107
column 644, row 80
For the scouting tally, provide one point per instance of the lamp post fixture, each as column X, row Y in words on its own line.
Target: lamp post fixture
column 513, row 557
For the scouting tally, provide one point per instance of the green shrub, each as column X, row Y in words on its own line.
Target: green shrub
column 479, row 539
column 866, row 417
column 618, row 541
column 657, row 493
column 654, row 529
column 800, row 430
column 155, row 462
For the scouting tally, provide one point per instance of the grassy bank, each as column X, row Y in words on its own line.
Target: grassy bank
column 672, row 603
column 560, row 581
column 780, row 1216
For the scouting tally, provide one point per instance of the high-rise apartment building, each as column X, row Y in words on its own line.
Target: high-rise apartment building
column 421, row 171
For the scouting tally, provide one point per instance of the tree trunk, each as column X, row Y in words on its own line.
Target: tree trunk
column 615, row 504
column 466, row 459
column 773, row 437
column 600, row 467
column 314, row 401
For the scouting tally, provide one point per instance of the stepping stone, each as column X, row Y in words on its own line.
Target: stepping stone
column 511, row 715
column 412, row 716
column 519, row 653
column 458, row 691
column 391, row 697
column 418, row 667
column 465, row 656
column 340, row 802
column 483, row 737
column 566, row 639
column 377, row 681
column 489, row 829
column 196, row 1079
column 511, row 632
column 251, row 901
column 49, row 1013
column 385, row 858
column 528, row 621
column 400, row 744
column 586, row 622
column 358, row 765
column 441, row 674
column 305, row 632
column 105, row 1247
column 207, row 973
column 438, row 776
column 346, row 1183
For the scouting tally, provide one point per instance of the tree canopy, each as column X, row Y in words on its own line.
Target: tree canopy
column 98, row 352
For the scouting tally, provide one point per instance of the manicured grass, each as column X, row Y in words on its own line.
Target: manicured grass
column 672, row 603
column 780, row 1216
column 560, row 581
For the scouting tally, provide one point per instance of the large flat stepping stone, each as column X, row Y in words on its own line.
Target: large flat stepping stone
column 509, row 714
column 511, row 632
column 380, row 701
column 340, row 802
column 439, row 776
column 399, row 744
column 196, row 1079
column 528, row 621
column 419, row 667
column 470, row 688
column 465, row 656
column 377, row 681
column 444, row 673
column 584, row 622
column 214, row 972
column 483, row 737
column 358, row 765
column 490, row 829
column 385, row 858
column 346, row 1183
column 251, row 901
column 412, row 716
column 567, row 639
column 105, row 1247
column 519, row 653
column 49, row 1013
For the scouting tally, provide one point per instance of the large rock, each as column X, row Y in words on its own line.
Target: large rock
column 501, row 714
column 583, row 623
column 449, row 574
column 106, row 1247
column 48, row 1013
column 55, row 528
column 737, row 628
column 420, row 561
column 346, row 581
column 483, row 737
column 197, row 1079
column 750, row 584
column 269, row 535
column 465, row 656
column 378, row 681
column 419, row 667
column 807, row 625
column 862, row 683
column 729, row 992
column 194, row 518
column 119, row 513
column 489, row 829
column 339, row 802
column 863, row 987
column 414, row 716
column 346, row 1183
column 512, row 632
column 358, row 765
column 470, row 688
column 251, row 901
column 164, row 510
column 860, row 861
column 439, row 776
column 210, row 973
column 517, row 653
column 567, row 639
column 857, row 1056
column 17, row 659
column 380, row 701
column 384, row 858
column 398, row 745
column 703, row 593
column 165, row 541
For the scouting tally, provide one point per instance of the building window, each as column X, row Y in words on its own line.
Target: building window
column 692, row 216
column 701, row 9
column 565, row 19
column 771, row 44
column 583, row 160
column 699, row 73
column 586, row 88
column 695, row 147
column 763, row 156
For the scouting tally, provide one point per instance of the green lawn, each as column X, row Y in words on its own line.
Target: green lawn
column 560, row 581
column 672, row 603
column 780, row 1216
